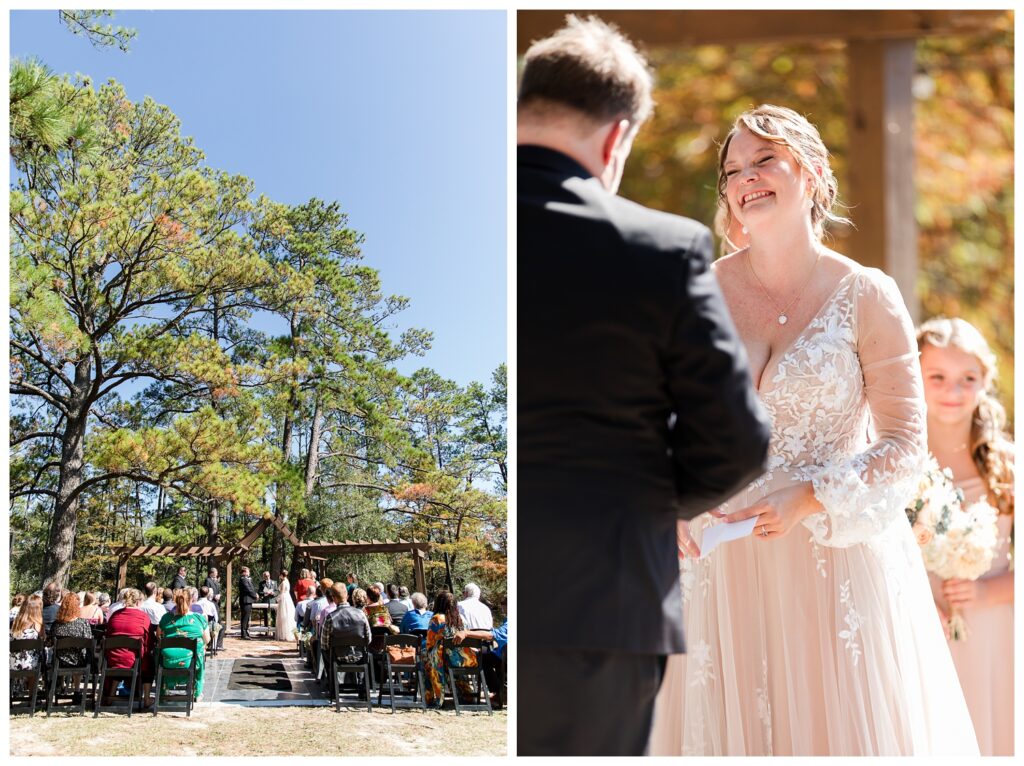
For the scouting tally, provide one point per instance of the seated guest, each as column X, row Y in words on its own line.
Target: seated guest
column 91, row 610
column 309, row 619
column 322, row 616
column 444, row 625
column 70, row 624
column 475, row 613
column 403, row 596
column 380, row 589
column 303, row 605
column 168, row 597
column 193, row 598
column 417, row 618
column 299, row 589
column 51, row 605
column 130, row 620
column 345, row 621
column 376, row 612
column 119, row 604
column 395, row 607
column 16, row 602
column 183, row 622
column 28, row 624
column 103, row 599
column 492, row 660
column 209, row 607
column 153, row 607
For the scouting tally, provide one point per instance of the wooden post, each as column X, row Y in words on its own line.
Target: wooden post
column 122, row 573
column 417, row 562
column 881, row 161
column 227, row 598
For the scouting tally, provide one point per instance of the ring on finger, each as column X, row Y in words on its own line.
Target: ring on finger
column 764, row 531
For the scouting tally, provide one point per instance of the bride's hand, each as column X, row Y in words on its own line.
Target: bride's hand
column 684, row 542
column 779, row 511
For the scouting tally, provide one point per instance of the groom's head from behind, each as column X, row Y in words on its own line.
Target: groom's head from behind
column 585, row 91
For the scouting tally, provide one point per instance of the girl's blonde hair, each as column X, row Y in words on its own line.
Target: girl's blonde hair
column 991, row 450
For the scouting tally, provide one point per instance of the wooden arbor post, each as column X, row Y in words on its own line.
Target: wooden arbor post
column 881, row 160
column 227, row 597
column 417, row 565
column 122, row 572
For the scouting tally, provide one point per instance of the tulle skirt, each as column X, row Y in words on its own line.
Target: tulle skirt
column 795, row 648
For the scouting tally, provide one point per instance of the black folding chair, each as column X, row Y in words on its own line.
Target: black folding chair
column 396, row 670
column 186, row 674
column 129, row 675
column 475, row 673
column 31, row 676
column 379, row 635
column 59, row 672
column 340, row 646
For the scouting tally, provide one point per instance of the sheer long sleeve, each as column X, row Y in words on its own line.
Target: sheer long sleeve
column 865, row 493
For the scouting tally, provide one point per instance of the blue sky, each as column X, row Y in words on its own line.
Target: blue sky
column 399, row 116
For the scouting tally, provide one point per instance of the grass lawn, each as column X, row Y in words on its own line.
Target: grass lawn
column 219, row 729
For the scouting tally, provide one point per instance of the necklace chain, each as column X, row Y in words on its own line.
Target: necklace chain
column 784, row 313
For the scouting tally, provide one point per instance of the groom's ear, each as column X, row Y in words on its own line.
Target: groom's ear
column 616, row 134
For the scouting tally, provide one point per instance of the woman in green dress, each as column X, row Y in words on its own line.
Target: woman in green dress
column 183, row 622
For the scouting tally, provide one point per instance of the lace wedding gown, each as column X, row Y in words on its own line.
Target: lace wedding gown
column 824, row 641
column 285, row 614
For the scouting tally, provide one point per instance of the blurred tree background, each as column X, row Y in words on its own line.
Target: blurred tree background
column 963, row 134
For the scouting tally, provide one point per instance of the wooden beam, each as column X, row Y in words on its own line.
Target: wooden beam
column 881, row 161
column 689, row 28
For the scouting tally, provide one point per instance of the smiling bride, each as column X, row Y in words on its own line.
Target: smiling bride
column 815, row 634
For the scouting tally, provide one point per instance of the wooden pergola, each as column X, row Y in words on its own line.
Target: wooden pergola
column 225, row 554
column 880, row 58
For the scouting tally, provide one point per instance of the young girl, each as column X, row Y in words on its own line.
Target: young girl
column 965, row 434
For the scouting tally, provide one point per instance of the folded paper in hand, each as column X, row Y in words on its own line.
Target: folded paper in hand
column 724, row 532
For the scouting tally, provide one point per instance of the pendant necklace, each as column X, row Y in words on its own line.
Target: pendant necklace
column 783, row 313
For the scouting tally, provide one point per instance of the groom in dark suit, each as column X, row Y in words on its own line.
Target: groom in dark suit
column 247, row 596
column 635, row 402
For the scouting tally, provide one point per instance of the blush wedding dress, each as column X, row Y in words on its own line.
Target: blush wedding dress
column 824, row 641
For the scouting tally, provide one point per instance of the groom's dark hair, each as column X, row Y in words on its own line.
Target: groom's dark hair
column 589, row 66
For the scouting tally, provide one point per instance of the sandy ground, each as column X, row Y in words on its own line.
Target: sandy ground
column 221, row 729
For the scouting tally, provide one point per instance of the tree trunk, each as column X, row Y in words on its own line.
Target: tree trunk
column 312, row 465
column 60, row 546
column 277, row 540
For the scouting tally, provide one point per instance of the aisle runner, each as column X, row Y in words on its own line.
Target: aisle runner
column 269, row 675
column 264, row 682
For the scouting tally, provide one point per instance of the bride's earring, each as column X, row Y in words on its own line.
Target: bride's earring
column 744, row 230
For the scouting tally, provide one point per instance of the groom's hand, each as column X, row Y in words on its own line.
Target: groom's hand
column 779, row 511
column 685, row 543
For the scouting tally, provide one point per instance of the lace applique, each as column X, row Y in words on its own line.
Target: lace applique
column 819, row 559
column 764, row 707
column 698, row 658
column 853, row 622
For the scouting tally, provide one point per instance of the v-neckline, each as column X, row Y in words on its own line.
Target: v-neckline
column 827, row 302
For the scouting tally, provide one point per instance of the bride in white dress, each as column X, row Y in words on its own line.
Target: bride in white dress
column 285, row 610
column 816, row 635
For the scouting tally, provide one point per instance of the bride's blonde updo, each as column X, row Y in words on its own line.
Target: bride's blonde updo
column 991, row 451
column 790, row 129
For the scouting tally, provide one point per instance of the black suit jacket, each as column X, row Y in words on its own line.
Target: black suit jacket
column 246, row 592
column 214, row 586
column 635, row 408
column 178, row 583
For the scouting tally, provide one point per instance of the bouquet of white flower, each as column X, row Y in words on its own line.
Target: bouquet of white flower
column 937, row 498
column 956, row 542
column 964, row 552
